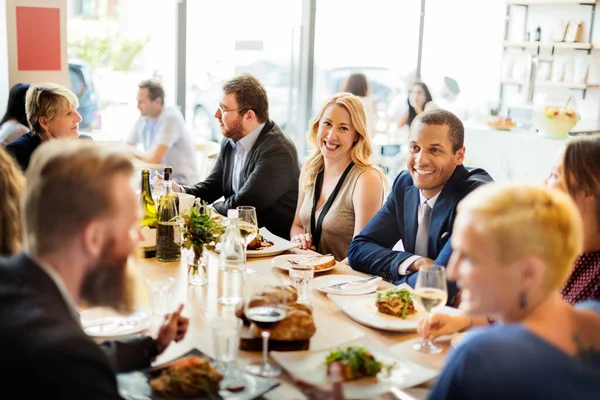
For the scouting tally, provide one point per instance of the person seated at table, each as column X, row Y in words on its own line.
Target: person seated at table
column 14, row 123
column 80, row 227
column 11, row 186
column 52, row 113
column 257, row 165
column 163, row 133
column 419, row 100
column 413, row 228
column 575, row 170
column 358, row 85
column 340, row 190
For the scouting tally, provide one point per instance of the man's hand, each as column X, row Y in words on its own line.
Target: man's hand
column 158, row 178
column 174, row 328
column 421, row 263
column 314, row 392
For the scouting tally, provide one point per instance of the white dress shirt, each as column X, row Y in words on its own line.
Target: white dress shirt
column 243, row 147
column 431, row 202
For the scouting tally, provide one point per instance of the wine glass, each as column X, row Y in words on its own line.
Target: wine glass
column 265, row 304
column 431, row 293
column 248, row 227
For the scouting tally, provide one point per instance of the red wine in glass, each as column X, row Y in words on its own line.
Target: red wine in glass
column 265, row 317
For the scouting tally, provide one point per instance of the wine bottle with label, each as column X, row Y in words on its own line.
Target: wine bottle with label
column 168, row 235
column 149, row 221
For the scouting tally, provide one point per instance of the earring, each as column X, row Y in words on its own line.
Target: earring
column 522, row 301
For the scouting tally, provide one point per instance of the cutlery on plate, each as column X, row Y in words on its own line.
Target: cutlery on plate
column 308, row 258
column 401, row 394
column 343, row 285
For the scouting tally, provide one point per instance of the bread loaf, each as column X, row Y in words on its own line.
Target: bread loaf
column 321, row 262
column 297, row 325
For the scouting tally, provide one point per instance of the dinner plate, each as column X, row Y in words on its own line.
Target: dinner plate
column 283, row 262
column 322, row 282
column 279, row 245
column 135, row 385
column 310, row 366
column 106, row 322
column 363, row 310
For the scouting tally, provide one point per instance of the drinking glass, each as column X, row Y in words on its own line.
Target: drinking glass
column 265, row 305
column 159, row 290
column 226, row 338
column 431, row 293
column 300, row 276
column 248, row 227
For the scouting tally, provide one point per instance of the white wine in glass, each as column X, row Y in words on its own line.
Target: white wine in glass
column 431, row 294
column 248, row 227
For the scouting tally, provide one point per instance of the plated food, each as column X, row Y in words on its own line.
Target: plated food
column 502, row 123
column 259, row 243
column 321, row 263
column 397, row 302
column 356, row 362
column 191, row 376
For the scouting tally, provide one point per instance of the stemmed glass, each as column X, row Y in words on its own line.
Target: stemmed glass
column 431, row 293
column 248, row 227
column 265, row 305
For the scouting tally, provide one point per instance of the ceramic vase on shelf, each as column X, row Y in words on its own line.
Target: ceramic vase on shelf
column 198, row 267
column 555, row 116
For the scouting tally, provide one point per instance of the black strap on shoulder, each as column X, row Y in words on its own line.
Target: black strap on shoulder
column 315, row 229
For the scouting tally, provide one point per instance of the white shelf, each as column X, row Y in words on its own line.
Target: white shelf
column 566, row 85
column 529, row 2
column 557, row 45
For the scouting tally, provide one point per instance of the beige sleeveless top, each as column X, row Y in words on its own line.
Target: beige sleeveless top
column 337, row 229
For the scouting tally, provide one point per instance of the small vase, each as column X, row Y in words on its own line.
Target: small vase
column 198, row 269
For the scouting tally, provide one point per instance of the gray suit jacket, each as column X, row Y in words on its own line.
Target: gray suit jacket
column 270, row 180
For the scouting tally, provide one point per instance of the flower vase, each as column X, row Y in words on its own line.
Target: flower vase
column 198, row 268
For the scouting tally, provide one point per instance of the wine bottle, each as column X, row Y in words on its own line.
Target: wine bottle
column 149, row 222
column 168, row 234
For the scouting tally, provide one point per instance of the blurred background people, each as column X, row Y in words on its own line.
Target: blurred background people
column 419, row 100
column 11, row 186
column 14, row 123
column 340, row 189
column 52, row 113
column 358, row 85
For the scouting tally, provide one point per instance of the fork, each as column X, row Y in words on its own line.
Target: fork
column 344, row 285
column 308, row 258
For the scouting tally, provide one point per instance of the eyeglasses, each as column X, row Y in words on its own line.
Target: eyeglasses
column 224, row 110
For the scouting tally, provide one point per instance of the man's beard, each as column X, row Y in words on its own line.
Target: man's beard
column 110, row 283
column 235, row 131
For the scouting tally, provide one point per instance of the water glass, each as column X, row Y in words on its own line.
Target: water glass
column 226, row 338
column 159, row 290
column 300, row 276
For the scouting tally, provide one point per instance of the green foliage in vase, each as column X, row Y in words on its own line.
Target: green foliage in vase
column 203, row 227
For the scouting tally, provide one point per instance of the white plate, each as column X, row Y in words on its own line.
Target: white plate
column 279, row 245
column 310, row 366
column 322, row 282
column 105, row 322
column 364, row 311
column 283, row 262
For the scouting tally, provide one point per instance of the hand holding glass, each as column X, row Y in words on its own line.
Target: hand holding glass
column 431, row 293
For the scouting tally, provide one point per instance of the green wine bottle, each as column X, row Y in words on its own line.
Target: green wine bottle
column 149, row 222
column 168, row 235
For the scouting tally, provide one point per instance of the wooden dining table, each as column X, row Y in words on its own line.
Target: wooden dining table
column 334, row 327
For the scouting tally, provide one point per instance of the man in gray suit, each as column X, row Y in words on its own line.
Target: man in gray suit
column 81, row 217
column 257, row 165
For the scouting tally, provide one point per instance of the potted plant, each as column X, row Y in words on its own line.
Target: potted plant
column 202, row 228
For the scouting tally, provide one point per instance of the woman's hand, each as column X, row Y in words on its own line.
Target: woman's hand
column 442, row 324
column 305, row 240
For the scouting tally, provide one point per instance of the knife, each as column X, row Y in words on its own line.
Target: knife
column 335, row 286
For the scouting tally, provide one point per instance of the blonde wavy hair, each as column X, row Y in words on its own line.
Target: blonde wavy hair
column 12, row 184
column 362, row 149
column 527, row 220
column 46, row 101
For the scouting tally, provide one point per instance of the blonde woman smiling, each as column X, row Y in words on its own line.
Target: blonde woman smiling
column 340, row 190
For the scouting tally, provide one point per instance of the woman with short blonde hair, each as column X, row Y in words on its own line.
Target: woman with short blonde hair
column 52, row 113
column 12, row 183
column 340, row 189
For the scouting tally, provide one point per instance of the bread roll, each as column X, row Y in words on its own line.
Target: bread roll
column 297, row 325
column 322, row 262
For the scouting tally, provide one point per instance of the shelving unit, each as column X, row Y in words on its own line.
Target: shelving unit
column 588, row 46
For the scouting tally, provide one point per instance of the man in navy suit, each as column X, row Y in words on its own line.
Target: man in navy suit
column 413, row 228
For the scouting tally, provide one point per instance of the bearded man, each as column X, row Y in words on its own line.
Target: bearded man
column 80, row 224
column 257, row 165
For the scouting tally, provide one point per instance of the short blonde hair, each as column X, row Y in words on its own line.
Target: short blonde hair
column 46, row 101
column 12, row 182
column 362, row 149
column 526, row 220
column 67, row 183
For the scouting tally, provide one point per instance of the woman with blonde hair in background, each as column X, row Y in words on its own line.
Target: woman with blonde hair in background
column 575, row 170
column 358, row 85
column 340, row 189
column 12, row 183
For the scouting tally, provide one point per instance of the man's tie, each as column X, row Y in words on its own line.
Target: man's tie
column 423, row 232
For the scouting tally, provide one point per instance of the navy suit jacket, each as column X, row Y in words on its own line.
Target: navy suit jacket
column 371, row 250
